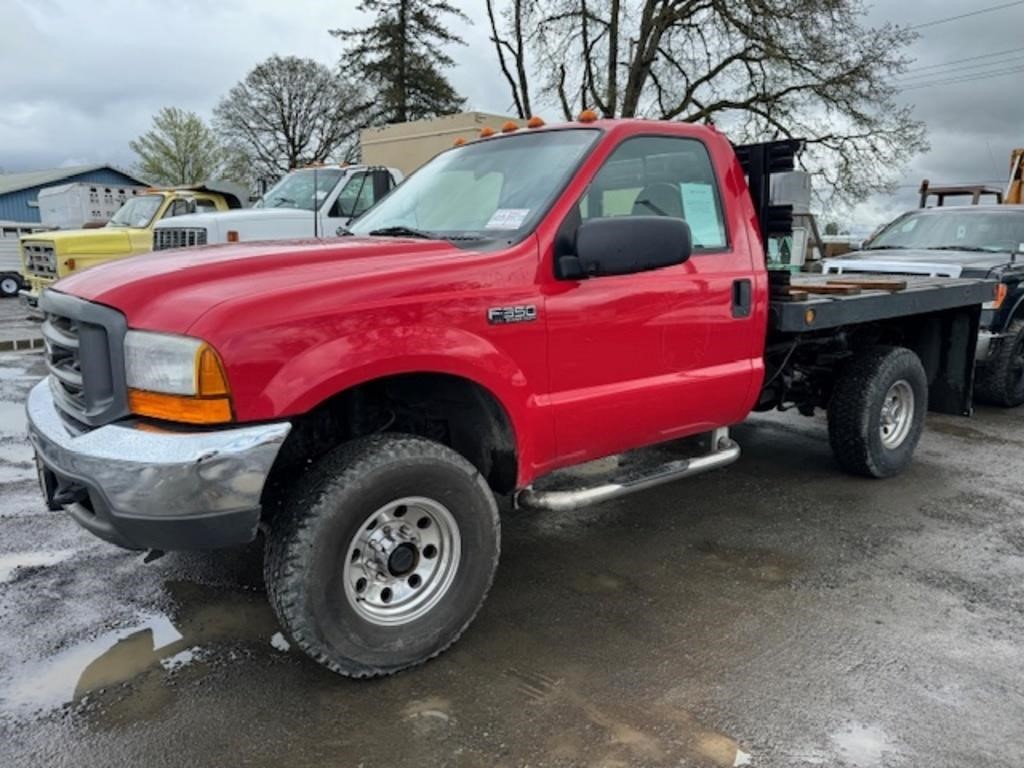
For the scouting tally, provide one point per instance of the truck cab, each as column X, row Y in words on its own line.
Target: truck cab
column 317, row 201
column 48, row 256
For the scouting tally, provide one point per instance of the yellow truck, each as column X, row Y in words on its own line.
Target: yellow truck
column 48, row 256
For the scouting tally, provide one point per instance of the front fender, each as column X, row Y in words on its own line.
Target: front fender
column 320, row 372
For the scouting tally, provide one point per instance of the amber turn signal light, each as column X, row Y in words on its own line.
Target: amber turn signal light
column 232, row 235
column 180, row 408
column 999, row 296
column 210, row 378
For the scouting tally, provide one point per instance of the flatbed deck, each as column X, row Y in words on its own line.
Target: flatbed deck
column 922, row 294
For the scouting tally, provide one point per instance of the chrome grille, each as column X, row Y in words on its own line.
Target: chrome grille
column 60, row 335
column 85, row 356
column 178, row 237
column 40, row 259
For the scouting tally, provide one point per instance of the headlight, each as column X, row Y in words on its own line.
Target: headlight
column 177, row 378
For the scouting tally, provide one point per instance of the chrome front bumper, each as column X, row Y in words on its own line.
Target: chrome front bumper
column 144, row 488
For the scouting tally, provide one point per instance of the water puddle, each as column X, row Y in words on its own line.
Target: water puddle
column 9, row 474
column 863, row 746
column 12, row 419
column 154, row 645
column 14, row 561
column 19, row 452
column 111, row 658
column 13, row 374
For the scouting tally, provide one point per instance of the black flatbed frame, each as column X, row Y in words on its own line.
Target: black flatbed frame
column 921, row 296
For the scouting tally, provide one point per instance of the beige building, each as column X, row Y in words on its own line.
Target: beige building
column 407, row 146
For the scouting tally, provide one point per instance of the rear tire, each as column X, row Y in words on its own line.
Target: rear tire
column 1001, row 380
column 876, row 414
column 9, row 285
column 382, row 554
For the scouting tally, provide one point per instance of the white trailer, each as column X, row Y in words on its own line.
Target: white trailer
column 81, row 204
column 10, row 254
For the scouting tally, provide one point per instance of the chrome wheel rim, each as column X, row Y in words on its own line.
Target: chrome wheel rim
column 402, row 562
column 8, row 286
column 897, row 414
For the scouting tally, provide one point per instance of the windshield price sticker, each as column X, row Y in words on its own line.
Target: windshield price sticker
column 508, row 218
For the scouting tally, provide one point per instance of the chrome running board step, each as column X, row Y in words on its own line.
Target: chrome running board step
column 629, row 479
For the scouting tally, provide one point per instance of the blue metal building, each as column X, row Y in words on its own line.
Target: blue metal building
column 18, row 190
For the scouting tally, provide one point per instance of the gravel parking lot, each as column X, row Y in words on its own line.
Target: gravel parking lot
column 777, row 613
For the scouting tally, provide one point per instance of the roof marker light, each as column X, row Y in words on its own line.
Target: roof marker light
column 588, row 116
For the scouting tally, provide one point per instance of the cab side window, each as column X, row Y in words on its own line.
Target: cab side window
column 354, row 198
column 177, row 208
column 660, row 176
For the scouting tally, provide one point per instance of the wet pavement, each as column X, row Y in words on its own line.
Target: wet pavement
column 17, row 331
column 776, row 613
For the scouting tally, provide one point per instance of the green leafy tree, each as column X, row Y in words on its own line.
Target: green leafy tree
column 179, row 149
column 400, row 55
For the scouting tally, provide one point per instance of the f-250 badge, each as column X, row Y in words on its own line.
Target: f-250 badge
column 525, row 313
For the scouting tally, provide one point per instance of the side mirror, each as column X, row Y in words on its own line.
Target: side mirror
column 626, row 245
column 856, row 245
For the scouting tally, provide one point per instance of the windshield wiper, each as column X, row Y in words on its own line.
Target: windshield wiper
column 402, row 231
column 967, row 248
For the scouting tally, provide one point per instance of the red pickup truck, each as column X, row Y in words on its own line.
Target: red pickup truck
column 523, row 304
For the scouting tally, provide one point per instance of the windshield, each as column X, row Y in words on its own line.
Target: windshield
column 137, row 212
column 305, row 189
column 964, row 229
column 485, row 189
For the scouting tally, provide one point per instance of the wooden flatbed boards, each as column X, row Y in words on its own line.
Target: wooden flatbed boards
column 784, row 289
column 801, row 303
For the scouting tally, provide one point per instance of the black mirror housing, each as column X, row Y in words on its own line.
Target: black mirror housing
column 626, row 245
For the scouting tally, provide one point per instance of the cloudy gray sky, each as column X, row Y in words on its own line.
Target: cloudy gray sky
column 83, row 77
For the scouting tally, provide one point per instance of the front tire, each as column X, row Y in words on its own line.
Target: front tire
column 877, row 410
column 1001, row 380
column 9, row 285
column 382, row 555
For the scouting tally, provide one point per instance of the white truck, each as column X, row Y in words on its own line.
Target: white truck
column 318, row 201
column 82, row 204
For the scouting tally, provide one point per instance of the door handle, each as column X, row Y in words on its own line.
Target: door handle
column 742, row 297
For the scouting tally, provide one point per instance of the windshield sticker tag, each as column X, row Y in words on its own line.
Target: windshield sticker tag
column 507, row 218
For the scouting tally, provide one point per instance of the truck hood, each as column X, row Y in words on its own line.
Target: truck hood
column 171, row 290
column 225, row 219
column 915, row 261
column 80, row 242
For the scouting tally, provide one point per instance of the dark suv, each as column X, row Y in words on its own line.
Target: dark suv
column 968, row 241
